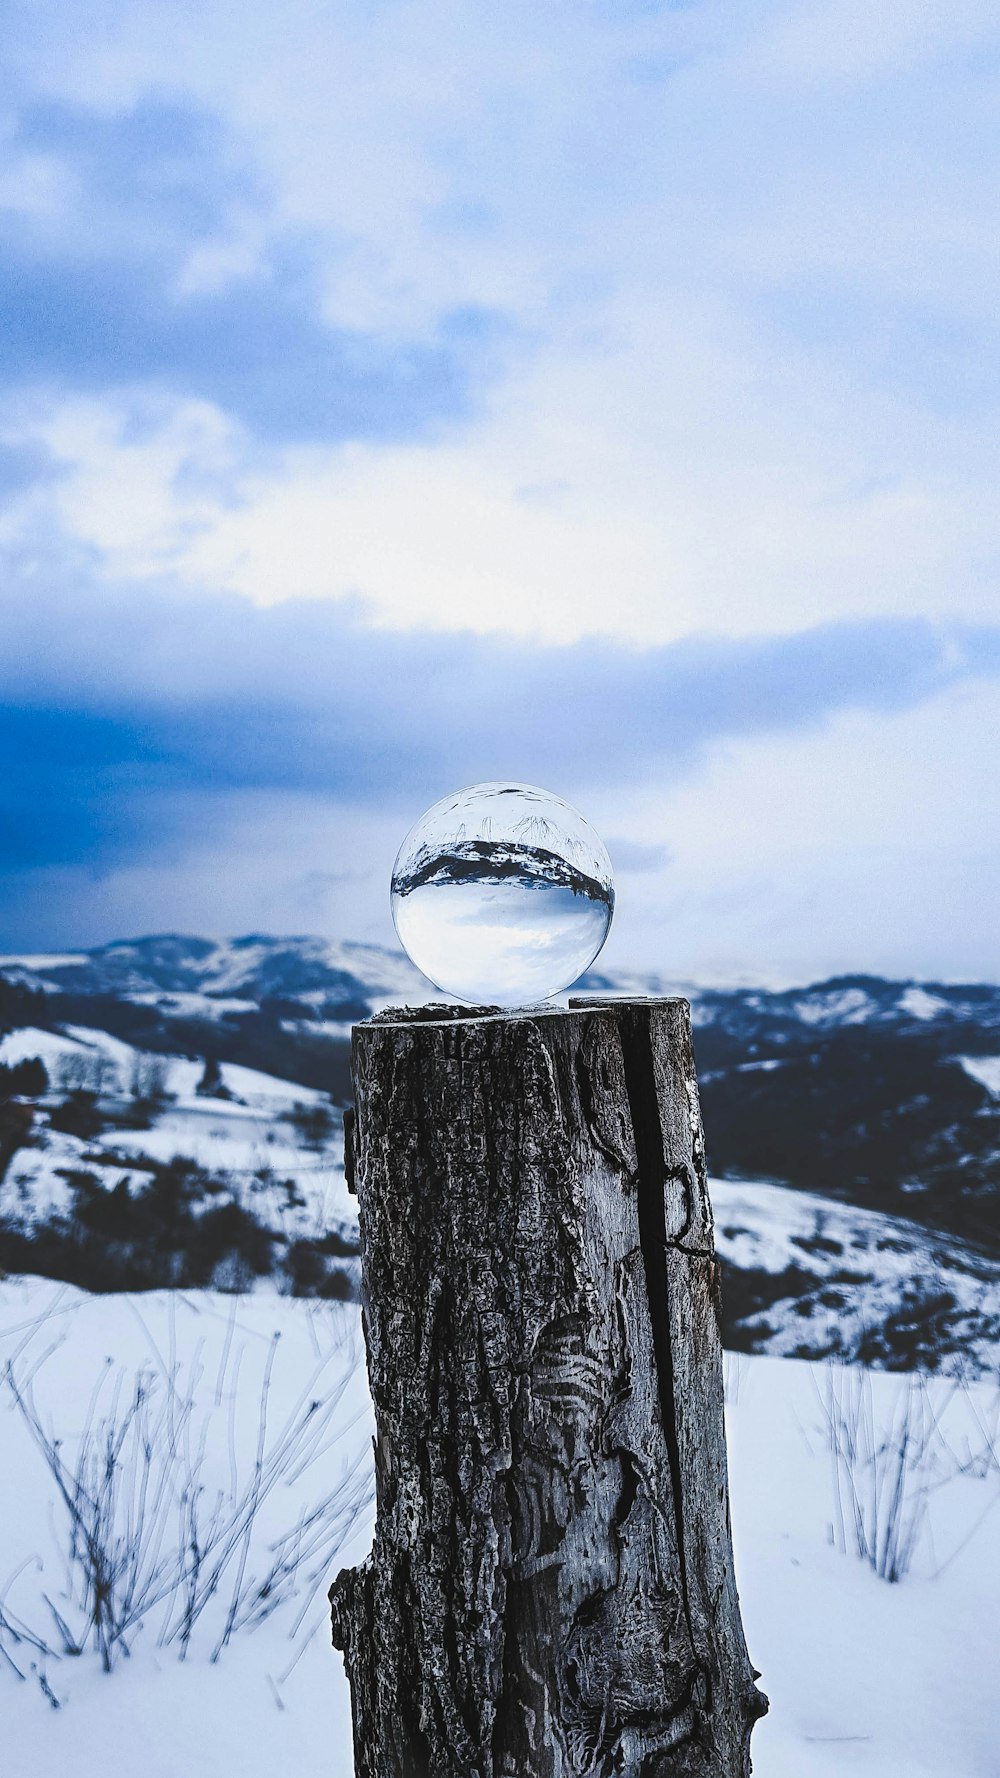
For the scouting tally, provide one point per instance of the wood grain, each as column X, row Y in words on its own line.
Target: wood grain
column 551, row 1588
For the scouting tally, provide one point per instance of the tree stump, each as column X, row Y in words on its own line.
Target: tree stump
column 551, row 1588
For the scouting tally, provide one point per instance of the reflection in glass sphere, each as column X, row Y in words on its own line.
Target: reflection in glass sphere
column 502, row 894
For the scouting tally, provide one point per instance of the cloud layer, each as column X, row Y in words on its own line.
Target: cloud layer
column 128, row 273
column 121, row 702
column 401, row 395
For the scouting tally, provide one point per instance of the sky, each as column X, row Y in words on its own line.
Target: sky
column 602, row 395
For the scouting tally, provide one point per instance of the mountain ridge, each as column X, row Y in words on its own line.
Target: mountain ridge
column 878, row 1092
column 852, row 1128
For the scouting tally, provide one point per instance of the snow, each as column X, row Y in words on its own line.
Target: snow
column 866, row 1679
column 198, row 978
column 918, row 1004
column 62, row 1050
column 255, row 1152
column 44, row 960
column 265, row 1090
column 851, row 1274
column 51, row 1047
column 186, row 1005
column 250, row 1138
column 869, row 1270
column 231, row 965
column 985, row 1069
column 338, row 1029
column 276, row 1700
column 35, row 1187
column 389, row 971
column 839, row 1006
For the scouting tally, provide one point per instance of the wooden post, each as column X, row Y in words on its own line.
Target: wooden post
column 551, row 1586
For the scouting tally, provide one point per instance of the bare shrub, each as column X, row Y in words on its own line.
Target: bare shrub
column 315, row 1124
column 151, row 1545
column 148, row 1078
column 978, row 1453
column 885, row 1465
column 86, row 1071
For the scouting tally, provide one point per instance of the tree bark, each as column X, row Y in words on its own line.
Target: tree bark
column 551, row 1588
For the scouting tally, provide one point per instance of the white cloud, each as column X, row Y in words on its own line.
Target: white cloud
column 867, row 845
column 624, row 492
column 747, row 257
column 853, row 40
column 634, row 190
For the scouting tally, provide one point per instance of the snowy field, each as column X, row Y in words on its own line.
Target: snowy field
column 251, row 1138
column 227, row 1378
column 865, row 1677
column 842, row 1281
column 807, row 1277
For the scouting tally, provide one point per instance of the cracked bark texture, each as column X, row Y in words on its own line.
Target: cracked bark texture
column 551, row 1588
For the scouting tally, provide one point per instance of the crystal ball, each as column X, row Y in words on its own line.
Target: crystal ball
column 502, row 894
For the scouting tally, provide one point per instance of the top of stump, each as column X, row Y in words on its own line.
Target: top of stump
column 436, row 1013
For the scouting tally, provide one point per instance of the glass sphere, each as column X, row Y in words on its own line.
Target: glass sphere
column 502, row 894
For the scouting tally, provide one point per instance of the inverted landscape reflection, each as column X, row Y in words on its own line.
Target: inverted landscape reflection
column 502, row 894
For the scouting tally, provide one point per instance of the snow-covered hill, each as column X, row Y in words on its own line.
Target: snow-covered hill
column 144, row 1170
column 170, row 1115
column 321, row 973
column 208, row 975
column 865, row 1679
column 806, row 1277
column 190, row 1132
column 244, row 1179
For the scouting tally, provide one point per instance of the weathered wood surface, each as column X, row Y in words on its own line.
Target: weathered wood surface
column 551, row 1589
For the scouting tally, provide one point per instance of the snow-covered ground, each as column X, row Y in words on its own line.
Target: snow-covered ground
column 252, row 1138
column 275, row 1699
column 985, row 1069
column 82, row 1048
column 844, row 1281
column 806, row 1276
column 208, row 977
column 866, row 1679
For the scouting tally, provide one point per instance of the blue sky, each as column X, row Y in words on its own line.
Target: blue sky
column 397, row 395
